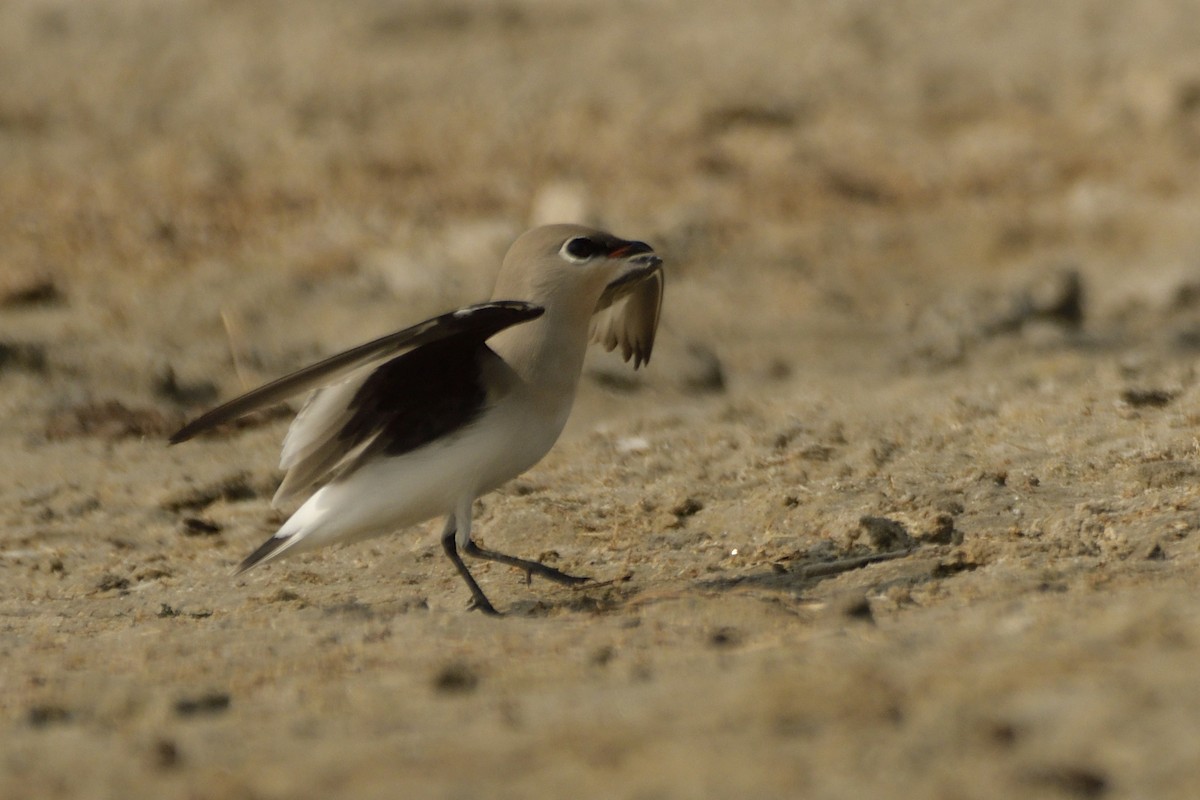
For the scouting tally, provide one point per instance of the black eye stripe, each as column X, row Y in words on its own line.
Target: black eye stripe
column 582, row 247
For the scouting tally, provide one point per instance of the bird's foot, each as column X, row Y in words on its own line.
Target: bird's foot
column 482, row 605
column 530, row 568
column 557, row 576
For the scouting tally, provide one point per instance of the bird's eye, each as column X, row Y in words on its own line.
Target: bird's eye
column 581, row 248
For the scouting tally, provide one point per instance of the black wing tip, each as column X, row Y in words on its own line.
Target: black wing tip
column 182, row 435
column 199, row 425
column 264, row 551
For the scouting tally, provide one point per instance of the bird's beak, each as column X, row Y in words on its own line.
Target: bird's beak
column 627, row 249
column 640, row 263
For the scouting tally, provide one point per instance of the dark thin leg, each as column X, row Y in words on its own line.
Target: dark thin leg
column 530, row 567
column 478, row 598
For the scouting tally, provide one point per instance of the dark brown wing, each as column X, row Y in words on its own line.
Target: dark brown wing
column 476, row 323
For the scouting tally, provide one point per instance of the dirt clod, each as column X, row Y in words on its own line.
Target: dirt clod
column 885, row 534
column 210, row 703
column 456, row 678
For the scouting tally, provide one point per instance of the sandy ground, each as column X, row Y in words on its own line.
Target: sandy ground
column 933, row 291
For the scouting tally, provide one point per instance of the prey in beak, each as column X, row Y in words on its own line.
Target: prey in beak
column 628, row 310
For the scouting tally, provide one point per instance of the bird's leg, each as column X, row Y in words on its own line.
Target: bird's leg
column 478, row 598
column 530, row 567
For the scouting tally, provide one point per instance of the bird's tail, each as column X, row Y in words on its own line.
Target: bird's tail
column 294, row 531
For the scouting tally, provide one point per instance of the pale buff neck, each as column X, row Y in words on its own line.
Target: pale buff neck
column 547, row 353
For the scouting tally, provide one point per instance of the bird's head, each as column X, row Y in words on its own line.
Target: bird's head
column 574, row 265
column 610, row 287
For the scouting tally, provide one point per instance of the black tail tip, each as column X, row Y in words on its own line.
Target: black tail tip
column 265, row 550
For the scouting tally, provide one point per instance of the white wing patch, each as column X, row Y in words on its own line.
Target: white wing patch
column 311, row 449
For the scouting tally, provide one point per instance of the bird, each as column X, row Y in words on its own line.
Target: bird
column 419, row 423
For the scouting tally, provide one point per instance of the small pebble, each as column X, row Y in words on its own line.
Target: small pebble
column 211, row 703
column 42, row 715
column 1147, row 398
column 632, row 444
column 456, row 678
column 725, row 637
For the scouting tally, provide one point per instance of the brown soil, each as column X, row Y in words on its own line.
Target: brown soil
column 933, row 293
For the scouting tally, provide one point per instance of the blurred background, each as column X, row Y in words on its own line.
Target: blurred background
column 164, row 162
column 933, row 281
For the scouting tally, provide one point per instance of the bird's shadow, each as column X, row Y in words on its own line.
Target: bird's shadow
column 909, row 568
column 921, row 564
column 804, row 577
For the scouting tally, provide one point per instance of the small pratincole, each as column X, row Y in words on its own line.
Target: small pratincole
column 421, row 422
